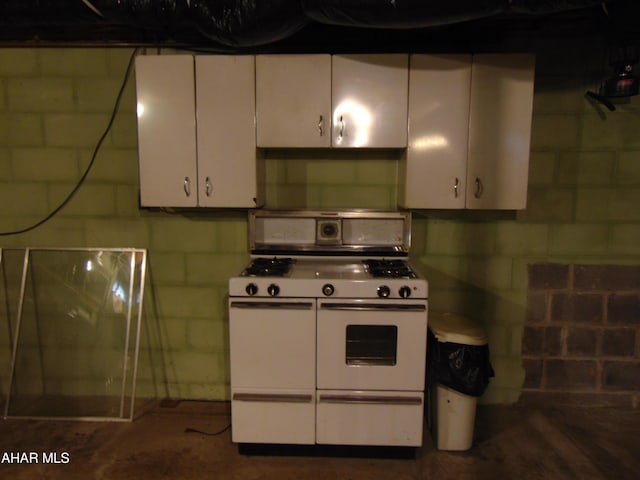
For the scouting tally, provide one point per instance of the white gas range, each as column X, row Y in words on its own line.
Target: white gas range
column 328, row 327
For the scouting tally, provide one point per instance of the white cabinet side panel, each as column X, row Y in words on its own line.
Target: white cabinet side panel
column 166, row 130
column 293, row 100
column 369, row 100
column 500, row 130
column 225, row 105
column 436, row 158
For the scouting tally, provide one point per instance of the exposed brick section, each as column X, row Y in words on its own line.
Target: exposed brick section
column 548, row 275
column 572, row 307
column 571, row 374
column 621, row 376
column 606, row 277
column 536, row 307
column 581, row 341
column 619, row 342
column 624, row 309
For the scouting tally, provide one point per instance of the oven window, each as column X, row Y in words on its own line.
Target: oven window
column 372, row 344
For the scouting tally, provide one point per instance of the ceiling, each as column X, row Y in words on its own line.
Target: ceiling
column 311, row 25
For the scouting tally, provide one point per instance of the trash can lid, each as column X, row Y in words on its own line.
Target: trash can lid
column 449, row 327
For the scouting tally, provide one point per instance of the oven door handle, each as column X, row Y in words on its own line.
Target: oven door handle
column 369, row 399
column 273, row 397
column 370, row 307
column 283, row 305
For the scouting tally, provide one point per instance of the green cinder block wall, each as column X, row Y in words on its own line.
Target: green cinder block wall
column 584, row 192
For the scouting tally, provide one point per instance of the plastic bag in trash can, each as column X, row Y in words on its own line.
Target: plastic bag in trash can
column 464, row 368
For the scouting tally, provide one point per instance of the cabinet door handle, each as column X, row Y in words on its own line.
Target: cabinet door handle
column 479, row 188
column 455, row 188
column 341, row 132
column 187, row 187
column 208, row 186
column 321, row 125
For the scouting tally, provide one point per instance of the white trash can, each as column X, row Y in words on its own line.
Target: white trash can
column 451, row 414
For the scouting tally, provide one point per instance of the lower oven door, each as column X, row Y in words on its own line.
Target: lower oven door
column 273, row 364
column 369, row 418
column 371, row 344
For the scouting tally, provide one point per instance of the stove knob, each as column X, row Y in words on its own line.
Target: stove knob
column 404, row 292
column 251, row 289
column 273, row 289
column 328, row 289
column 383, row 291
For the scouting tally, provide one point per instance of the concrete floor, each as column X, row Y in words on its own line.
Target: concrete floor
column 511, row 443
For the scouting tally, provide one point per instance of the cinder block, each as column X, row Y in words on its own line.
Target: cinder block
column 331, row 172
column 23, row 199
column 542, row 167
column 40, row 95
column 537, row 305
column 533, row 373
column 183, row 235
column 21, row 129
column 74, row 130
column 456, row 238
column 45, row 164
column 615, row 132
column 551, row 205
column 124, row 132
column 625, row 239
column 6, row 165
column 592, row 204
column 521, row 239
column 231, row 234
column 90, row 199
column 128, row 201
column 117, row 165
column 377, row 171
column 185, row 302
column 18, row 61
column 578, row 239
column 3, row 101
column 96, row 94
column 86, row 62
column 118, row 59
column 167, row 268
column 628, row 171
column 555, row 131
column 621, row 203
column 208, row 334
column 558, row 95
column 117, row 233
column 489, row 273
column 195, row 367
column 585, row 168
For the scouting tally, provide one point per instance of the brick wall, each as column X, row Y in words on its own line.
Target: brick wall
column 581, row 341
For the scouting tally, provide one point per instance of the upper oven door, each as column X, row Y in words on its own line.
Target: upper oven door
column 371, row 344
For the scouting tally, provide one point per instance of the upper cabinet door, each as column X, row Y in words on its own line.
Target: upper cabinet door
column 434, row 173
column 369, row 99
column 293, row 100
column 166, row 130
column 500, row 130
column 225, row 98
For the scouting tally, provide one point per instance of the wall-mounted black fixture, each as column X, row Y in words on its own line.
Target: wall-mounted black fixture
column 623, row 84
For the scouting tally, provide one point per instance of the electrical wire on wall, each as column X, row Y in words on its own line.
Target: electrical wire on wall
column 82, row 179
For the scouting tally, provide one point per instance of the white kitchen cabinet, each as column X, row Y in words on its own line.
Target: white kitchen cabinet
column 196, row 131
column 293, row 100
column 469, row 132
column 337, row 101
column 166, row 110
column 500, row 130
column 434, row 173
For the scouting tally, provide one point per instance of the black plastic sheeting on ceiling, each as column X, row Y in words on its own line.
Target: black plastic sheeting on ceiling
column 241, row 23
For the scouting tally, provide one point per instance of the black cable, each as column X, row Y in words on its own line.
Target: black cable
column 64, row 203
column 193, row 430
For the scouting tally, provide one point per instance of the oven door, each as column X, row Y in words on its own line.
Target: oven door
column 371, row 344
column 272, row 357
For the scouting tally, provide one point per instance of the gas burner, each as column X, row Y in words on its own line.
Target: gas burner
column 268, row 267
column 389, row 268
